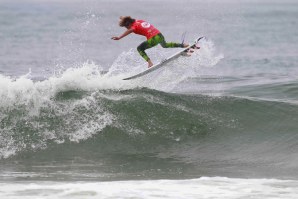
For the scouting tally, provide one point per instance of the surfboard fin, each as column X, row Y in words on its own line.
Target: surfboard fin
column 183, row 37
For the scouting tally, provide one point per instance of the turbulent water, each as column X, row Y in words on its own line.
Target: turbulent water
column 222, row 123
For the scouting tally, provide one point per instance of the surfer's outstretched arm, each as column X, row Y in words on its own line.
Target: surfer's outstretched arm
column 127, row 32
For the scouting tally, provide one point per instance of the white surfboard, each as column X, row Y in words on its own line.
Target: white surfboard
column 162, row 63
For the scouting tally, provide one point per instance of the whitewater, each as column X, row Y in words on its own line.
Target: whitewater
column 222, row 123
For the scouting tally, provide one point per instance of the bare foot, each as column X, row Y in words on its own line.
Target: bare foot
column 185, row 45
column 150, row 63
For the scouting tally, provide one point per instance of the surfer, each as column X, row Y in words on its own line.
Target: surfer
column 152, row 34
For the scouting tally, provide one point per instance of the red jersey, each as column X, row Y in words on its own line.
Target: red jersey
column 144, row 28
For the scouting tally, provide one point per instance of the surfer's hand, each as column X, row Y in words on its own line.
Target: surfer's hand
column 115, row 38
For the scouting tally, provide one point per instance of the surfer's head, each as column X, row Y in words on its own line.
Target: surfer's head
column 126, row 21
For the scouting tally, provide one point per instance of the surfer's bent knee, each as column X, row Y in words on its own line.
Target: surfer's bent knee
column 141, row 49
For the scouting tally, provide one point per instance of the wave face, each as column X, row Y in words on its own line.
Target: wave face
column 116, row 130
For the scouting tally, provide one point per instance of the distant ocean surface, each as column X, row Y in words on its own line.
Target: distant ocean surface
column 222, row 123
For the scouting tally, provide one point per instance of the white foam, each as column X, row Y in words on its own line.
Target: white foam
column 30, row 97
column 205, row 187
column 24, row 91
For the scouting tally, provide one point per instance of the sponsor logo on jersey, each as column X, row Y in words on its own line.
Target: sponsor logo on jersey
column 145, row 25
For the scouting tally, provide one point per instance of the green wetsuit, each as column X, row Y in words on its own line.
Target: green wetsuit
column 157, row 39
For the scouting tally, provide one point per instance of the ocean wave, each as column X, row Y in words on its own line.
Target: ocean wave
column 190, row 128
column 83, row 109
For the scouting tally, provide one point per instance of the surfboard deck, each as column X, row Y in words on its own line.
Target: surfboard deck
column 160, row 64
